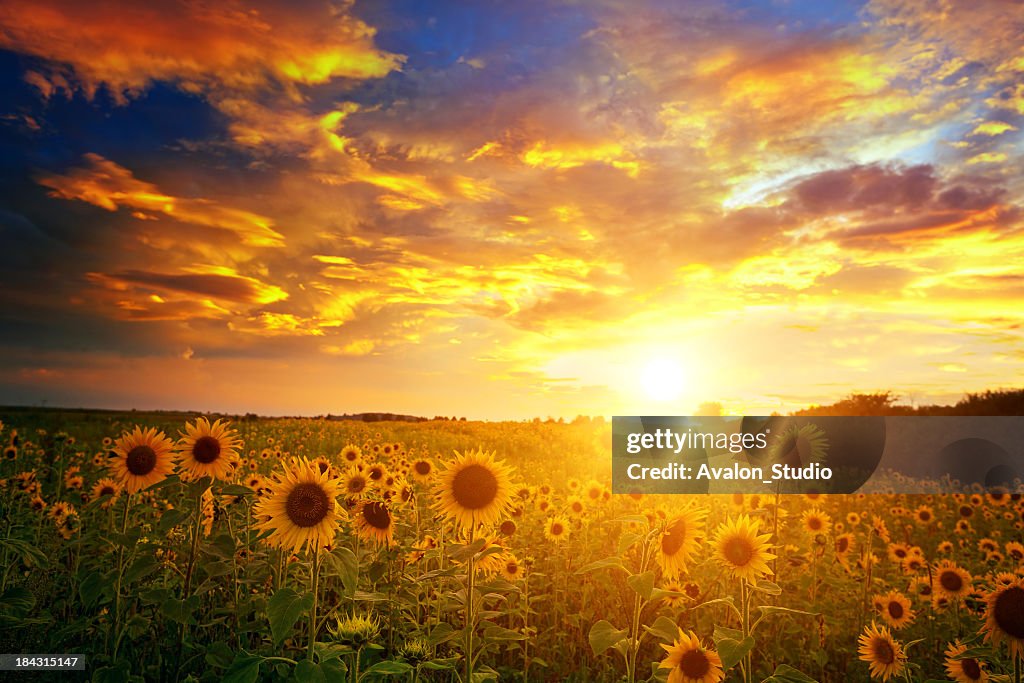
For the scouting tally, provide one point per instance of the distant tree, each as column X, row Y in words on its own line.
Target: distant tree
column 709, row 408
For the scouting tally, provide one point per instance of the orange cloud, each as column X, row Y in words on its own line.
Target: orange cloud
column 235, row 45
column 109, row 185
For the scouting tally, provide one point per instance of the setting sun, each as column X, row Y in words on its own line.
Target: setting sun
column 663, row 379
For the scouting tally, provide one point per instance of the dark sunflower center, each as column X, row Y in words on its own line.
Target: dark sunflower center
column 900, row 553
column 883, row 651
column 1008, row 612
column 694, row 664
column 107, row 491
column 508, row 527
column 376, row 473
column 674, row 537
column 377, row 515
column 966, row 511
column 356, row 485
column 422, row 467
column 307, row 505
column 512, row 567
column 971, row 668
column 692, row 591
column 951, row 581
column 814, row 523
column 925, row 516
column 738, row 551
column 557, row 529
column 474, row 487
column 842, row 544
column 895, row 610
column 206, row 449
column 141, row 460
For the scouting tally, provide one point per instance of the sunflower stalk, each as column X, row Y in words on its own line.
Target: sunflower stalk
column 120, row 575
column 314, row 580
column 470, row 612
column 186, row 589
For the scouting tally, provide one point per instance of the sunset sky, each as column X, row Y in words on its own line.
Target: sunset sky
column 509, row 209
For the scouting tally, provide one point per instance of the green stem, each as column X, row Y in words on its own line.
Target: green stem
column 314, row 580
column 120, row 574
column 470, row 617
column 747, row 660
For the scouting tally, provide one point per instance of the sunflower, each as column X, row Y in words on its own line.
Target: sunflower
column 679, row 541
column 511, row 570
column 423, row 470
column 557, row 529
column 672, row 600
column 816, row 522
column 895, row 609
column 141, row 459
column 800, row 446
column 843, row 545
column 964, row 669
column 420, row 548
column 473, row 490
column 107, row 489
column 354, row 482
column 373, row 521
column 301, row 508
column 351, row 454
column 924, row 515
column 884, row 655
column 207, row 450
column 951, row 581
column 740, row 549
column 1004, row 616
column 690, row 662
column 377, row 472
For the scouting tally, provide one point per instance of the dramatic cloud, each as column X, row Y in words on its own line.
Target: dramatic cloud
column 510, row 211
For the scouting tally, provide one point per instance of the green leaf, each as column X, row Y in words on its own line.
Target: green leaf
column 334, row 669
column 603, row 636
column 180, row 611
column 461, row 553
column 606, row 563
column 389, row 668
column 642, row 584
column 30, row 555
column 284, row 609
column 343, row 563
column 663, row 628
column 236, row 490
column 219, row 655
column 307, row 672
column 501, row 633
column 245, row 669
column 171, row 519
column 441, row 633
column 142, row 567
column 17, row 601
column 214, row 569
column 732, row 646
column 112, row 674
column 90, row 588
column 784, row 673
column 767, row 587
column 627, row 540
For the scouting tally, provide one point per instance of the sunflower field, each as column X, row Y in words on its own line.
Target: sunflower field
column 169, row 547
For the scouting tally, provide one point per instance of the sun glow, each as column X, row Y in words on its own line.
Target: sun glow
column 662, row 379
